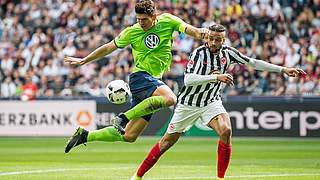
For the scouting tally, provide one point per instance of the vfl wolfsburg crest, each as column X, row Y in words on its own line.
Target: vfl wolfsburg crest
column 151, row 40
column 158, row 27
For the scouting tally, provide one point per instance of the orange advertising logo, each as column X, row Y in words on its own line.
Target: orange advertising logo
column 84, row 118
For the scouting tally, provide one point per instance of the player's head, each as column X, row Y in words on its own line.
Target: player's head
column 28, row 78
column 217, row 37
column 145, row 12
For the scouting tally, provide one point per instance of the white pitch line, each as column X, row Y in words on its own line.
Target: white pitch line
column 59, row 170
column 248, row 176
column 86, row 169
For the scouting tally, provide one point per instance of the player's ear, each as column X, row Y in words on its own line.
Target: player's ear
column 224, row 38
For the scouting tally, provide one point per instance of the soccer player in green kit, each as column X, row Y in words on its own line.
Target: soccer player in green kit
column 151, row 42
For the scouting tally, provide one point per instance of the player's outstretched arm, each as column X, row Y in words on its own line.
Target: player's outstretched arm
column 192, row 79
column 292, row 72
column 96, row 54
column 265, row 66
column 198, row 33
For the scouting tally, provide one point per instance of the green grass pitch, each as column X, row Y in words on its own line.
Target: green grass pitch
column 191, row 158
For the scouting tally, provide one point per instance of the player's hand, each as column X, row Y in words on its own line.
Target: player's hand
column 204, row 32
column 74, row 61
column 226, row 78
column 293, row 72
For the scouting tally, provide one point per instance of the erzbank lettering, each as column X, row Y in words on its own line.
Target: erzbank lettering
column 32, row 119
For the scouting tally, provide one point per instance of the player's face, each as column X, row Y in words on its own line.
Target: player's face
column 146, row 22
column 215, row 41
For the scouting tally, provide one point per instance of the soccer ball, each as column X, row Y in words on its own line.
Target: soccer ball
column 118, row 91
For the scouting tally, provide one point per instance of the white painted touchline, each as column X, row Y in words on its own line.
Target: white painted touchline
column 86, row 169
column 247, row 176
column 59, row 170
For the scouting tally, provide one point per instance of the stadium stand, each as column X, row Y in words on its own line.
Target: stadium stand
column 35, row 35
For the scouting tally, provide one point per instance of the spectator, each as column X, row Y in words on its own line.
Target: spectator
column 277, row 88
column 29, row 89
column 69, row 50
column 38, row 37
column 306, row 86
column 6, row 64
column 22, row 67
column 233, row 35
column 95, row 89
column 284, row 31
column 66, row 91
column 57, row 85
column 187, row 43
column 240, row 88
column 50, row 70
column 8, row 88
column 292, row 58
column 82, row 87
column 292, row 86
column 317, row 88
column 279, row 58
column 37, row 51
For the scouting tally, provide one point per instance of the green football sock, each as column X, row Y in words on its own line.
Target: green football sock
column 145, row 107
column 106, row 134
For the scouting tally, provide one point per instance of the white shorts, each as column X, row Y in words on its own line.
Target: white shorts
column 185, row 117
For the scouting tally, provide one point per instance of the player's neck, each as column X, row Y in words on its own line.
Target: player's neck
column 154, row 23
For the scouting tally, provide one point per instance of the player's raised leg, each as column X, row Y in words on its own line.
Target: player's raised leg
column 134, row 128
column 79, row 137
column 154, row 94
column 82, row 136
column 107, row 134
column 167, row 141
column 161, row 98
column 222, row 125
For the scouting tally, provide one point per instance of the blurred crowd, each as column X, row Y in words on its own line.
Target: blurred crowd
column 35, row 35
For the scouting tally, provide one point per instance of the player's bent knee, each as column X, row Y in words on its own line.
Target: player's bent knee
column 166, row 144
column 227, row 132
column 171, row 100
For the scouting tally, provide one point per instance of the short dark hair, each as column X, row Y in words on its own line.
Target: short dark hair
column 217, row 28
column 145, row 7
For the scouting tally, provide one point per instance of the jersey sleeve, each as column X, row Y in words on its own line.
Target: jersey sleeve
column 197, row 79
column 237, row 57
column 176, row 23
column 123, row 39
column 193, row 63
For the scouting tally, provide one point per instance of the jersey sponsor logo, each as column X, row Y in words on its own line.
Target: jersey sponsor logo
column 223, row 61
column 152, row 40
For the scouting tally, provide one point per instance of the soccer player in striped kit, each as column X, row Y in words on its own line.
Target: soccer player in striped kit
column 200, row 98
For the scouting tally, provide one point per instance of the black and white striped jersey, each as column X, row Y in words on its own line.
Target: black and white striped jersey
column 202, row 62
